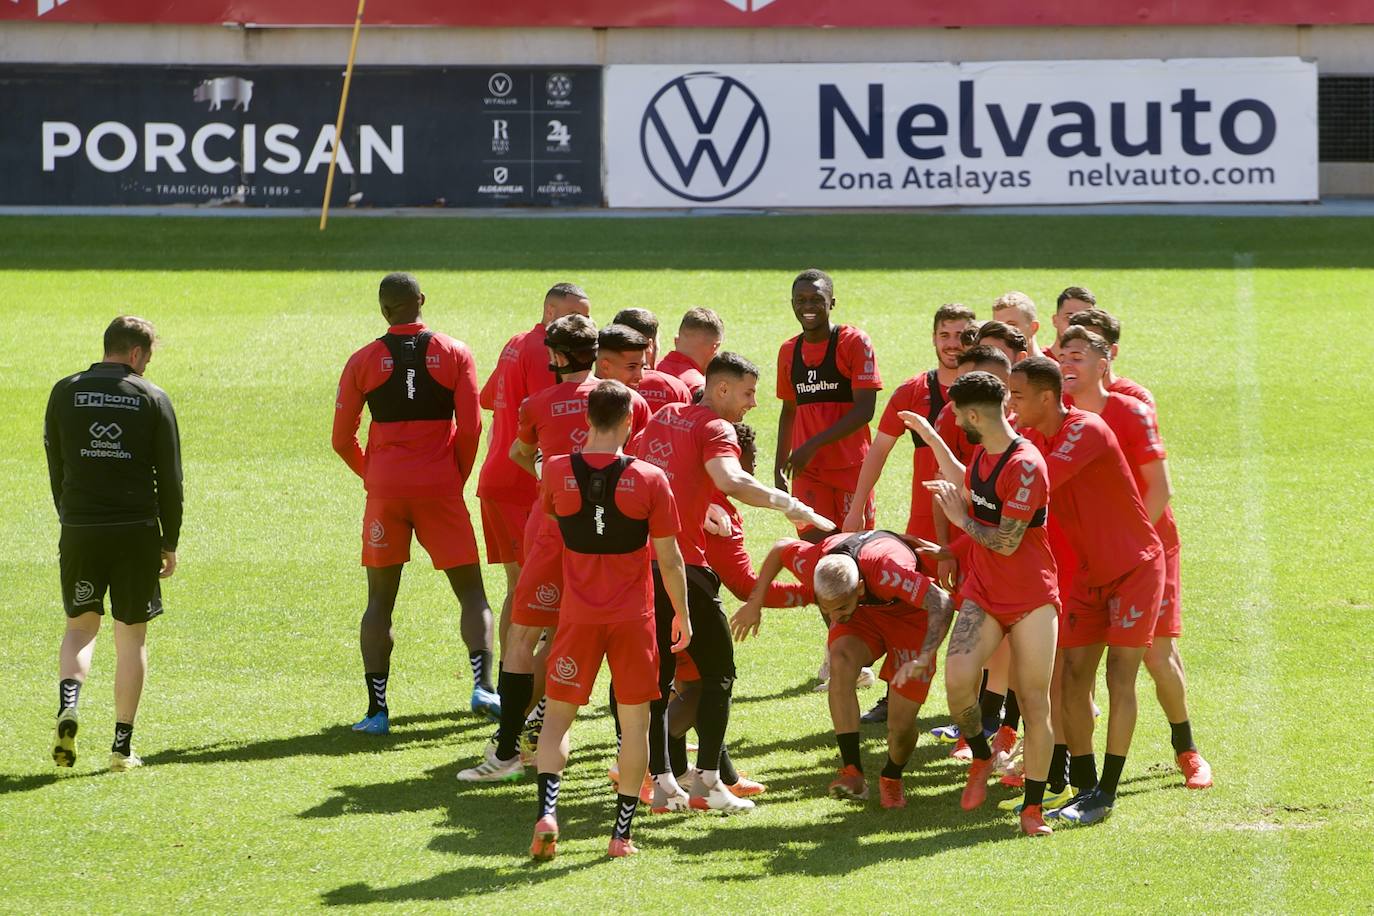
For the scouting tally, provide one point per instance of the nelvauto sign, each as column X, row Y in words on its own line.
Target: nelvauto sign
column 938, row 134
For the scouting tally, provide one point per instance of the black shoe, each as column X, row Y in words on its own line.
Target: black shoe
column 877, row 715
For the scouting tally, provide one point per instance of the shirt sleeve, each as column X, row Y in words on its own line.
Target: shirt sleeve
column 487, row 396
column 1023, row 486
column 663, row 521
column 639, row 420
column 546, row 491
column 1086, row 439
column 167, row 465
column 858, row 361
column 785, row 391
column 904, row 398
column 1146, row 445
column 467, row 410
column 348, row 411
column 52, row 446
column 799, row 558
column 719, row 440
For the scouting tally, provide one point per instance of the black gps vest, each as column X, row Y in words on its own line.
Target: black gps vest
column 599, row 526
column 410, row 392
column 824, row 383
column 986, row 506
column 851, row 546
column 937, row 404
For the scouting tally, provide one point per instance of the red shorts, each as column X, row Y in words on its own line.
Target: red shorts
column 895, row 638
column 503, row 528
column 1121, row 613
column 831, row 493
column 1170, row 622
column 441, row 524
column 539, row 591
column 630, row 647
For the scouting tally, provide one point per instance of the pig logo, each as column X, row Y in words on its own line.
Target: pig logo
column 223, row 89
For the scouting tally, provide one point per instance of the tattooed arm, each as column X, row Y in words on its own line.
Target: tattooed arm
column 1003, row 539
column 940, row 611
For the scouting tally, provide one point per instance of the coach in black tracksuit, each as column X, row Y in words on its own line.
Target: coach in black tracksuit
column 114, row 461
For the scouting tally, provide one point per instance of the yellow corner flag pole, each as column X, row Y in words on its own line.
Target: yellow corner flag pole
column 338, row 125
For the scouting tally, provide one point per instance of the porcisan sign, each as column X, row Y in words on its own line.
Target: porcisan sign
column 938, row 134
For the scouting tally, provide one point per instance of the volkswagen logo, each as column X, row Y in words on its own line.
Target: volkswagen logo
column 704, row 136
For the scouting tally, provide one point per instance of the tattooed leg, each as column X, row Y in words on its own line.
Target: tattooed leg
column 976, row 635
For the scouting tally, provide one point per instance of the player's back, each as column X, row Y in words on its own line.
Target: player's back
column 660, row 388
column 680, row 439
column 1137, row 431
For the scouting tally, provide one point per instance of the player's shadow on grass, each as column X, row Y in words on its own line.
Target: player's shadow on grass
column 332, row 741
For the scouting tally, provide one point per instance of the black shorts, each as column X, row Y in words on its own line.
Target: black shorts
column 123, row 559
column 712, row 648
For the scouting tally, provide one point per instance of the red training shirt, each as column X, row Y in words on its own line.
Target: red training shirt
column 1137, row 430
column 555, row 419
column 855, row 360
column 914, row 395
column 416, row 457
column 1129, row 388
column 522, row 370
column 659, row 388
column 1095, row 498
column 611, row 587
column 680, row 439
column 889, row 569
column 1028, row 579
column 680, row 365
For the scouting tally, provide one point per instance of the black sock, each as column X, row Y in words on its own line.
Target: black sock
column 728, row 774
column 979, row 745
column 1035, row 792
column 1059, row 768
column 624, row 816
column 548, row 793
column 892, row 770
column 67, row 692
column 481, row 668
column 615, row 713
column 1181, row 735
column 124, row 736
column 1083, row 772
column 1011, row 717
column 849, row 750
column 516, row 690
column 1112, row 765
column 376, row 691
column 677, row 755
column 991, row 704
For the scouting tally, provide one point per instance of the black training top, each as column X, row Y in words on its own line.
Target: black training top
column 114, row 453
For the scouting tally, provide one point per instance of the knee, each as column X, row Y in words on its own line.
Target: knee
column 961, row 674
column 1121, row 672
column 844, row 660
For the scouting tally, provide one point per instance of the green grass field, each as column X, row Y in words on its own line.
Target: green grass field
column 1251, row 332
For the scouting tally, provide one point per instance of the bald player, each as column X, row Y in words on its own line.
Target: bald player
column 1017, row 310
column 699, row 339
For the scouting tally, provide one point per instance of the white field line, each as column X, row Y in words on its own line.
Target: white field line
column 1256, row 584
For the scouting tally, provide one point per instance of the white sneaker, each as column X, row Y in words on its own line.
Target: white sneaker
column 866, row 679
column 120, row 762
column 720, row 798
column 493, row 768
column 671, row 797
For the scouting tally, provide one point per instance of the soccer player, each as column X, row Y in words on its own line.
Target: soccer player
column 729, row 559
column 696, row 445
column 878, row 604
column 656, row 387
column 1071, row 301
column 1095, row 319
column 1017, row 310
column 420, row 388
column 1085, row 361
column 1004, row 337
column 828, row 383
column 114, row 463
column 925, row 393
column 505, row 490
column 699, row 338
column 552, row 422
column 1117, row 591
column 609, row 508
column 1009, row 587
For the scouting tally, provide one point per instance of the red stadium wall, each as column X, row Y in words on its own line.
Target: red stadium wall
column 703, row 13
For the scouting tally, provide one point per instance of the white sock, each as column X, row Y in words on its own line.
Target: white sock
column 667, row 784
column 708, row 778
